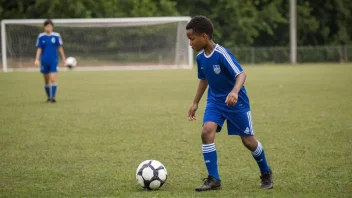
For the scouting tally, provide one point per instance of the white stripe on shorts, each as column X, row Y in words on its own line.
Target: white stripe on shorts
column 250, row 122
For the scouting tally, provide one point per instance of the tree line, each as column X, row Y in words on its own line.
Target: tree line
column 237, row 22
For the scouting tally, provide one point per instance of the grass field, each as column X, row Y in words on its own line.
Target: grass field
column 90, row 143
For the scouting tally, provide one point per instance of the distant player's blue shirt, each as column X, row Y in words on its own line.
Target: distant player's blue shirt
column 221, row 68
column 49, row 44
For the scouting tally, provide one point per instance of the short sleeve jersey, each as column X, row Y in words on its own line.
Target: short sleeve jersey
column 220, row 69
column 49, row 44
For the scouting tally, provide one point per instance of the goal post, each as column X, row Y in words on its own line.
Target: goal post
column 102, row 43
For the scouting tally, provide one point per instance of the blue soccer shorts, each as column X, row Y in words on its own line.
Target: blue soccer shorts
column 238, row 123
column 49, row 68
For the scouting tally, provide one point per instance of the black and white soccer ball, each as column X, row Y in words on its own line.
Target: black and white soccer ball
column 151, row 174
column 71, row 62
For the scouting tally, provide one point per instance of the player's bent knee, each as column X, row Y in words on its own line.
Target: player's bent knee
column 249, row 142
column 208, row 133
column 207, row 137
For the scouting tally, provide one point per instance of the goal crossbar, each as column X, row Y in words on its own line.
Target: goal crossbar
column 99, row 20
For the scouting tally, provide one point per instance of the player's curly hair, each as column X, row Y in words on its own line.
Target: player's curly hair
column 47, row 22
column 201, row 24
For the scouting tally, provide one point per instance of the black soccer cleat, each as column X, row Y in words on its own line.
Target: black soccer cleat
column 48, row 100
column 53, row 100
column 267, row 180
column 210, row 183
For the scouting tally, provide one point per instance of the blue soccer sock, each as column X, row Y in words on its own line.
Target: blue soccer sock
column 259, row 156
column 53, row 90
column 211, row 160
column 47, row 90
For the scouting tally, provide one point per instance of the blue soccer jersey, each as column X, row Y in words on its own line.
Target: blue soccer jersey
column 220, row 69
column 49, row 44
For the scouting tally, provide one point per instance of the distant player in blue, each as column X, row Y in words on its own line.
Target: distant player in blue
column 48, row 45
column 227, row 100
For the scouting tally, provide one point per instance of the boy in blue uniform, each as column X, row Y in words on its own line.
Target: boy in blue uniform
column 227, row 100
column 48, row 43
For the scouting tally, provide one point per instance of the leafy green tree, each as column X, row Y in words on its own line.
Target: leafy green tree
column 11, row 9
column 334, row 18
column 237, row 22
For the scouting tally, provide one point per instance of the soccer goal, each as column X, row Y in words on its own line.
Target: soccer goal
column 103, row 44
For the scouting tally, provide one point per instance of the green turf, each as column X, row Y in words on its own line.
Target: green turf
column 105, row 123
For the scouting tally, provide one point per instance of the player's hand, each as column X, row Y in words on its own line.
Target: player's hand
column 231, row 99
column 64, row 62
column 192, row 112
column 36, row 62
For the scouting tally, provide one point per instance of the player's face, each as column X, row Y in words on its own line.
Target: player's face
column 48, row 28
column 196, row 41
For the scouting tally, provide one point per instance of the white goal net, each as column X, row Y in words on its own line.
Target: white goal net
column 102, row 44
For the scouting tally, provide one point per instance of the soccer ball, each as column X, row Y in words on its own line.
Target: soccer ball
column 151, row 174
column 71, row 62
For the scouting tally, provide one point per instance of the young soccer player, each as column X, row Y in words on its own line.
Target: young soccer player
column 227, row 100
column 48, row 43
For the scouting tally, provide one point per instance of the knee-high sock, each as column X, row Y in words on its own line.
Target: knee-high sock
column 47, row 90
column 260, row 158
column 211, row 160
column 53, row 90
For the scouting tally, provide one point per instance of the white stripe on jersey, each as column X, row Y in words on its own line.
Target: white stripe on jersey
column 40, row 35
column 58, row 35
column 200, row 52
column 60, row 40
column 228, row 58
column 51, row 34
column 55, row 34
column 234, row 67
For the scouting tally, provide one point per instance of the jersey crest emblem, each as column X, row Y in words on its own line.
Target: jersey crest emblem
column 217, row 69
column 53, row 40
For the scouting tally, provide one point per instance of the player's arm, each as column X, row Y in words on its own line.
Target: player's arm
column 240, row 79
column 237, row 72
column 62, row 54
column 232, row 98
column 61, row 49
column 39, row 51
column 202, row 86
column 37, row 56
